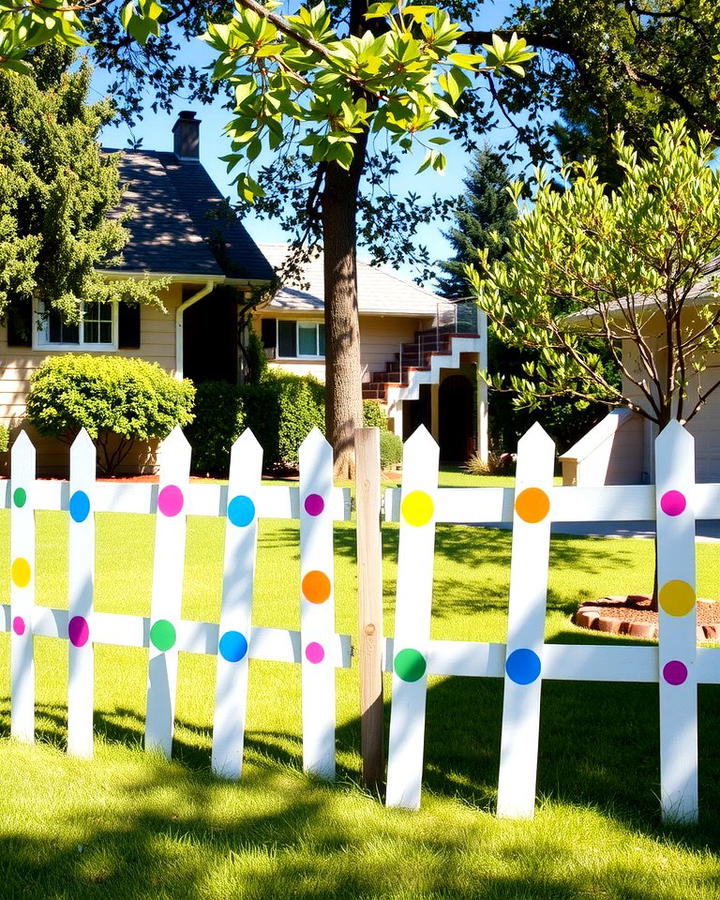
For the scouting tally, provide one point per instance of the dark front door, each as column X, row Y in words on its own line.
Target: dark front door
column 456, row 409
column 210, row 338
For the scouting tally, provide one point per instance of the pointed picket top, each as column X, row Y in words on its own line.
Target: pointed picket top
column 675, row 435
column 82, row 450
column 421, row 438
column 314, row 440
column 22, row 445
column 174, row 443
column 536, row 438
column 247, row 445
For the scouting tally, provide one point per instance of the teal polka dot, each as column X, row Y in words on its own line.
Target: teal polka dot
column 19, row 497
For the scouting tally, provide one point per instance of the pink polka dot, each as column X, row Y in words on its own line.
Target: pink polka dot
column 675, row 672
column 19, row 625
column 314, row 504
column 672, row 503
column 78, row 631
column 170, row 500
column 314, row 652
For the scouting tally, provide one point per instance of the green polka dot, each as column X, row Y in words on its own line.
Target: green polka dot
column 162, row 635
column 19, row 497
column 410, row 665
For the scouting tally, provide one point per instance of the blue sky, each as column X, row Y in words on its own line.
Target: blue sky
column 155, row 130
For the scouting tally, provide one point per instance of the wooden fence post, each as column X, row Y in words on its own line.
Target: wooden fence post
column 370, row 611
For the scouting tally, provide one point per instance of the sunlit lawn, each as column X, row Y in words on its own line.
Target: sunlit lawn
column 132, row 825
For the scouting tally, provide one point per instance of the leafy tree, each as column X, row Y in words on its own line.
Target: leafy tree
column 55, row 192
column 621, row 268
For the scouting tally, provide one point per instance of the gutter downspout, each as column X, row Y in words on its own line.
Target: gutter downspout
column 179, row 313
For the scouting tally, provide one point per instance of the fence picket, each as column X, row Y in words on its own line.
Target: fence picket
column 81, row 655
column 413, row 613
column 526, row 625
column 168, row 569
column 22, row 588
column 235, row 632
column 677, row 624
column 317, row 605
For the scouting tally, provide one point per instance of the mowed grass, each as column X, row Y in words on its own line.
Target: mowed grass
column 130, row 824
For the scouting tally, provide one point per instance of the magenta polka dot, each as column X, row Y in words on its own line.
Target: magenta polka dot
column 170, row 500
column 19, row 625
column 672, row 503
column 675, row 672
column 78, row 631
column 314, row 504
column 314, row 652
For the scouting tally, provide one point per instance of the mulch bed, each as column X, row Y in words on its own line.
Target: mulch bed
column 632, row 616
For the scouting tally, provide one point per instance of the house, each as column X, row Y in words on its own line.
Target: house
column 420, row 354
column 414, row 358
column 178, row 232
column 620, row 448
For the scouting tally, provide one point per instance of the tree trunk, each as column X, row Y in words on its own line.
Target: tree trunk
column 343, row 410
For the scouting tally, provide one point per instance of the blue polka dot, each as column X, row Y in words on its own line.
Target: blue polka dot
column 523, row 666
column 241, row 510
column 233, row 646
column 79, row 506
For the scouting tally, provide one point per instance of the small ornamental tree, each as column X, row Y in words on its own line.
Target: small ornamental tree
column 632, row 270
column 117, row 400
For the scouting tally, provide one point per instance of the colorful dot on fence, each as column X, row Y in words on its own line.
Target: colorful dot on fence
column 677, row 597
column 523, row 666
column 170, row 500
column 314, row 652
column 20, row 572
column 314, row 504
column 78, row 631
column 19, row 625
column 672, row 503
column 532, row 505
column 19, row 497
column 418, row 508
column 79, row 506
column 675, row 672
column 233, row 646
column 162, row 635
column 410, row 664
column 316, row 587
column 241, row 511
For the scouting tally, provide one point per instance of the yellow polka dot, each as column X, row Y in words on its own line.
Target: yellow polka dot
column 20, row 572
column 532, row 505
column 418, row 508
column 677, row 597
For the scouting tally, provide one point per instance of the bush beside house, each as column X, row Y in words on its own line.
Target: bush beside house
column 117, row 400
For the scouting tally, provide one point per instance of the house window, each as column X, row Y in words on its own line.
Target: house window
column 296, row 339
column 96, row 330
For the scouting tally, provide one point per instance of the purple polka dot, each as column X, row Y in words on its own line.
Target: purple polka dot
column 78, row 631
column 19, row 625
column 170, row 500
column 314, row 652
column 675, row 672
column 314, row 504
column 672, row 503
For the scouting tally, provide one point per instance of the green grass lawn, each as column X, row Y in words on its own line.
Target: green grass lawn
column 129, row 824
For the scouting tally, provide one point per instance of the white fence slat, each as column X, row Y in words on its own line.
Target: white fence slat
column 168, row 570
column 526, row 625
column 413, row 613
column 235, row 632
column 317, row 605
column 81, row 572
column 22, row 588
column 674, row 481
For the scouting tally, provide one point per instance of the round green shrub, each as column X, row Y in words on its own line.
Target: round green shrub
column 374, row 416
column 117, row 400
column 391, row 449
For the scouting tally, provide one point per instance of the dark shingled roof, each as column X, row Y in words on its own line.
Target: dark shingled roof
column 178, row 226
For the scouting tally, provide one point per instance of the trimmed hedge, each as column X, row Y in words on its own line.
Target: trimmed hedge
column 391, row 450
column 281, row 411
column 118, row 400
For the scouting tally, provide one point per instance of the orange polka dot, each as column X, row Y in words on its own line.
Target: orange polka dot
column 532, row 505
column 677, row 597
column 20, row 572
column 316, row 587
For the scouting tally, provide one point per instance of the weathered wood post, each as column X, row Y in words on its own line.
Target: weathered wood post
column 369, row 555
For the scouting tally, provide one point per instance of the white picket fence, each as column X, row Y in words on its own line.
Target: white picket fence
column 677, row 665
column 244, row 500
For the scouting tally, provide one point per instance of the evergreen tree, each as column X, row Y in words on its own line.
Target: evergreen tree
column 56, row 190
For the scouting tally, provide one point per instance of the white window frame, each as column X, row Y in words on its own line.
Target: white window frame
column 41, row 339
column 298, row 322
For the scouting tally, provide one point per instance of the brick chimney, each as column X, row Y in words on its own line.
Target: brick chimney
column 186, row 135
